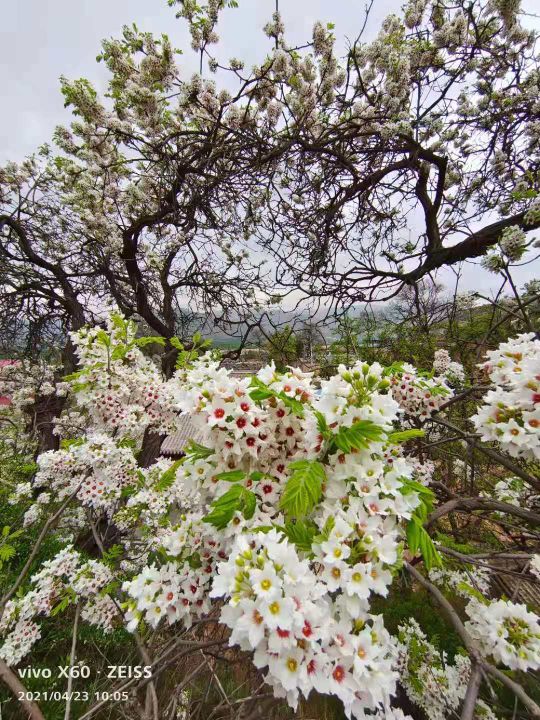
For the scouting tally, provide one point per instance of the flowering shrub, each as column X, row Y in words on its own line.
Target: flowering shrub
column 510, row 413
column 418, row 394
column 507, row 632
column 66, row 578
column 292, row 514
column 430, row 680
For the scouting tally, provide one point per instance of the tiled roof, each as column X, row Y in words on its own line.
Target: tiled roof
column 175, row 443
column 523, row 590
column 514, row 586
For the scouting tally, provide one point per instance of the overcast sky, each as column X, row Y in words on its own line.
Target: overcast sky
column 43, row 39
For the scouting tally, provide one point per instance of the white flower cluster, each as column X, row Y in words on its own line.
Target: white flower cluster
column 321, row 472
column 507, row 631
column 66, row 576
column 96, row 467
column 281, row 609
column 452, row 371
column 423, row 471
column 419, row 395
column 304, row 609
column 173, row 591
column 510, row 414
column 460, row 581
column 22, row 384
column 121, row 390
column 430, row 680
column 510, row 249
column 511, row 490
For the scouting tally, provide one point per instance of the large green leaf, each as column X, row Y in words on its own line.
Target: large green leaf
column 237, row 499
column 418, row 539
column 261, row 392
column 301, row 534
column 232, row 476
column 401, row 436
column 195, row 451
column 303, row 488
column 167, row 479
column 358, row 436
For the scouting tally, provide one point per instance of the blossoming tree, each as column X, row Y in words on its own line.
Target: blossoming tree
column 294, row 513
column 279, row 543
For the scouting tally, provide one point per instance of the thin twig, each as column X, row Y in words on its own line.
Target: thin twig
column 72, row 659
column 48, row 525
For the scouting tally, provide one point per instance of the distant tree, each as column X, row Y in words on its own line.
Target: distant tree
column 284, row 347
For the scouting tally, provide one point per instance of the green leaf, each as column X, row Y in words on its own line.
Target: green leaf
column 428, row 551
column 111, row 555
column 103, row 338
column 110, row 588
column 472, row 591
column 66, row 444
column 175, row 342
column 6, row 552
column 301, row 534
column 169, row 476
column 322, row 425
column 417, row 487
column 144, row 341
column 69, row 597
column 303, row 488
column 328, row 527
column 119, row 352
column 261, row 392
column 402, row 436
column 194, row 451
column 418, row 539
column 79, row 387
column 237, row 499
column 294, row 405
column 413, row 535
column 232, row 476
column 358, row 436
column 75, row 375
column 127, row 442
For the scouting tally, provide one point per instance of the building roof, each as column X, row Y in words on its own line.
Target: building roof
column 175, row 443
column 520, row 589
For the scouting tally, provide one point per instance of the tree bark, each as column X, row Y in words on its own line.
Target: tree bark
column 16, row 687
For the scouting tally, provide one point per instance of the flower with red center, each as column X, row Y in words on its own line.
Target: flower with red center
column 244, row 406
column 219, row 413
column 241, row 422
column 339, row 673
